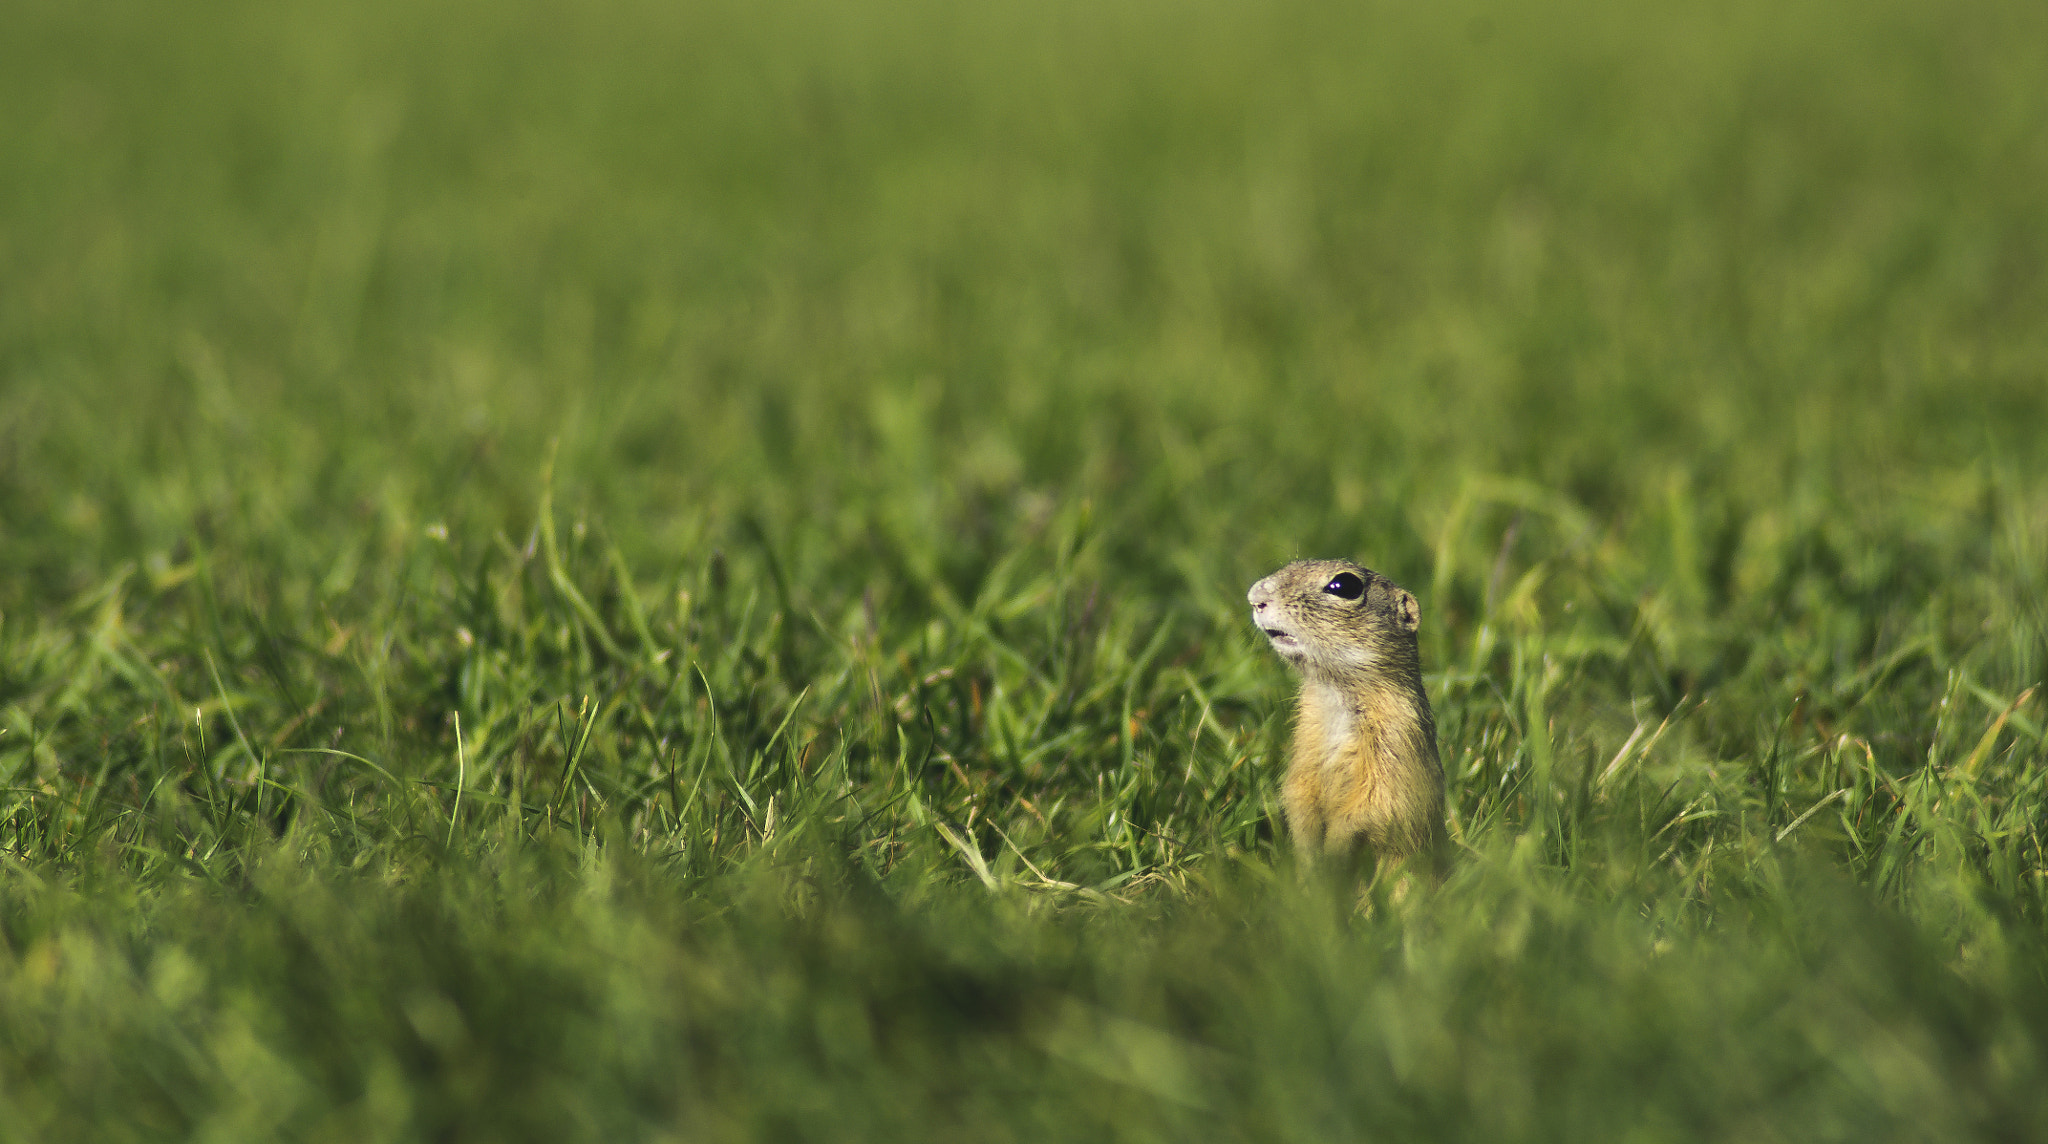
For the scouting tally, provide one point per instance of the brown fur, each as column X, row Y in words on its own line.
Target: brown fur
column 1363, row 779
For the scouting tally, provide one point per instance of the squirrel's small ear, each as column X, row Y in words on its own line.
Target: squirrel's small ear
column 1407, row 610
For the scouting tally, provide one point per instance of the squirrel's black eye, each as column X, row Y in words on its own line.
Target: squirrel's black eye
column 1346, row 586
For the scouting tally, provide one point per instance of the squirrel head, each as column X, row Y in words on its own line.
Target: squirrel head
column 1338, row 621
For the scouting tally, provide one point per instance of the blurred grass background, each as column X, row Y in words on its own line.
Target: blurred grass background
column 647, row 571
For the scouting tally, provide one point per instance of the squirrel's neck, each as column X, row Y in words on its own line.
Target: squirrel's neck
column 1387, row 710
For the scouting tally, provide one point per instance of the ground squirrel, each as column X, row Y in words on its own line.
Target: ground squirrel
column 1364, row 773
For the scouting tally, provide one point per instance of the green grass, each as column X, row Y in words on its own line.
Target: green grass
column 639, row 571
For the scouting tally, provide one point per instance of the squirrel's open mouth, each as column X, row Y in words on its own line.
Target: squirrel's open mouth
column 1276, row 633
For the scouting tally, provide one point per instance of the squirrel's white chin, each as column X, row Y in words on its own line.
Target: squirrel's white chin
column 1290, row 650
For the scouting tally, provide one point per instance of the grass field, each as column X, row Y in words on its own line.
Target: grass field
column 632, row 570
